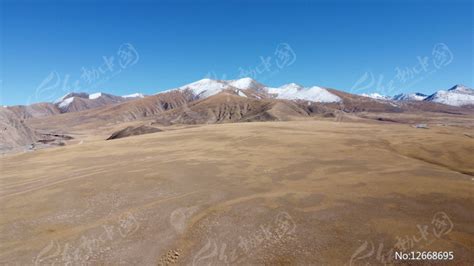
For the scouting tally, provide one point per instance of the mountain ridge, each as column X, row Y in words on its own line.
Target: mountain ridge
column 209, row 102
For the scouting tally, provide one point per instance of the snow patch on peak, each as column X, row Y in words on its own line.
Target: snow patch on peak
column 245, row 83
column 375, row 95
column 65, row 103
column 134, row 95
column 105, row 96
column 95, row 95
column 72, row 94
column 242, row 94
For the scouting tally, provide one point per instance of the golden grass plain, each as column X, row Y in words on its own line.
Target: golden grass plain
column 297, row 192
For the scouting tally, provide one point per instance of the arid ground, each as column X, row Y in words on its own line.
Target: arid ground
column 297, row 192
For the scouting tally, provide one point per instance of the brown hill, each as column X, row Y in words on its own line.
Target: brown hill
column 137, row 109
column 14, row 132
column 354, row 103
column 34, row 110
column 228, row 107
column 81, row 101
column 133, row 131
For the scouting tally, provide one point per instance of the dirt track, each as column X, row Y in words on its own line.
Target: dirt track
column 296, row 192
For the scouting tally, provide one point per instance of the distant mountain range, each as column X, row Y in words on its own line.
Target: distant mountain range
column 458, row 95
column 212, row 101
column 71, row 102
column 74, row 102
column 247, row 87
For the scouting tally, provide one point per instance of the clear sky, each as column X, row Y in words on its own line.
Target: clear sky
column 50, row 48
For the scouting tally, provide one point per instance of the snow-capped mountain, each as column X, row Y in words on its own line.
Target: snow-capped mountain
column 246, row 83
column 376, row 96
column 294, row 91
column 247, row 86
column 205, row 87
column 458, row 95
column 409, row 97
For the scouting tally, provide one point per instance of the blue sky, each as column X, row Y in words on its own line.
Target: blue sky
column 50, row 48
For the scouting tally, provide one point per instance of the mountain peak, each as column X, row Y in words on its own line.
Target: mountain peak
column 205, row 87
column 458, row 95
column 375, row 95
column 409, row 97
column 95, row 95
column 72, row 94
column 461, row 88
column 245, row 83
